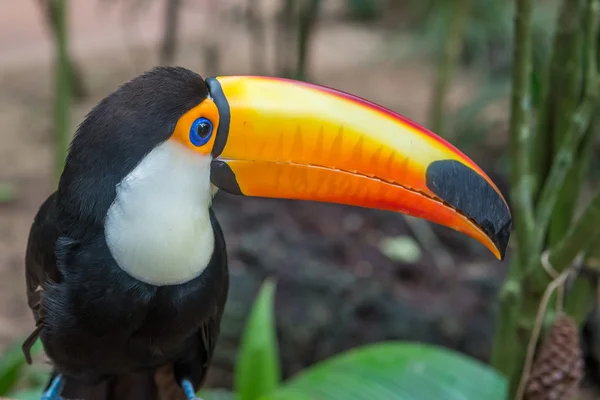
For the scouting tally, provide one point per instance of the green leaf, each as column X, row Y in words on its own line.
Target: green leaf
column 216, row 394
column 11, row 364
column 395, row 371
column 27, row 394
column 257, row 368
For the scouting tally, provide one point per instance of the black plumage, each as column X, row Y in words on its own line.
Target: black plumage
column 110, row 335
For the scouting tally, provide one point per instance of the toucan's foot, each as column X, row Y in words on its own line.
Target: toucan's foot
column 54, row 390
column 188, row 388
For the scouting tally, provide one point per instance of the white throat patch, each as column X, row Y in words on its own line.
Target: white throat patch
column 158, row 228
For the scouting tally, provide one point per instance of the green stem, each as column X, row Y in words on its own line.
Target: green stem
column 581, row 296
column 563, row 162
column 575, row 130
column 520, row 129
column 450, row 54
column 505, row 354
column 527, row 277
column 579, row 237
column 62, row 89
column 569, row 70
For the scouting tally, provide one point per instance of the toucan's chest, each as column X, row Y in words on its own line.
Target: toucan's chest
column 102, row 319
column 158, row 228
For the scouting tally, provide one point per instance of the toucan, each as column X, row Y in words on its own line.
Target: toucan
column 126, row 264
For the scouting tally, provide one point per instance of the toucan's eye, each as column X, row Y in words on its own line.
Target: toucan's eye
column 200, row 132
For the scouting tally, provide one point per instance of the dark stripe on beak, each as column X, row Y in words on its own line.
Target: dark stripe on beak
column 216, row 92
column 224, row 178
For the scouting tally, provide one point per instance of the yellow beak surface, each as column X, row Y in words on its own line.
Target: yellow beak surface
column 287, row 139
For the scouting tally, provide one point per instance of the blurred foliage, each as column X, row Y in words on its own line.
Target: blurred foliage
column 365, row 10
column 17, row 380
column 552, row 132
column 390, row 370
column 489, row 33
column 386, row 371
column 451, row 49
column 257, row 368
column 486, row 47
column 7, row 192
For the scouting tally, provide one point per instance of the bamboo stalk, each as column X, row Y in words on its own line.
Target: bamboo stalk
column 581, row 296
column 564, row 159
column 520, row 129
column 521, row 295
column 508, row 351
column 567, row 82
column 578, row 124
column 580, row 236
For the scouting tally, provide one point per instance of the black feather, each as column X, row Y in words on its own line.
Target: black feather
column 109, row 334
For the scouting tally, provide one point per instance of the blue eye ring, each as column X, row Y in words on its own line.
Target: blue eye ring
column 201, row 131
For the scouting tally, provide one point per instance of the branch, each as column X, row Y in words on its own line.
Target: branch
column 520, row 130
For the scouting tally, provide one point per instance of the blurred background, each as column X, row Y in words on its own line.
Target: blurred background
column 345, row 276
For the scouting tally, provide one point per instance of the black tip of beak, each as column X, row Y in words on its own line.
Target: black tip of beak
column 472, row 195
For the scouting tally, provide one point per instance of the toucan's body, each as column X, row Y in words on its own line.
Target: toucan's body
column 126, row 262
column 144, row 339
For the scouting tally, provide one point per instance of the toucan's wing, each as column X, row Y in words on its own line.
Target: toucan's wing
column 210, row 330
column 40, row 264
column 166, row 377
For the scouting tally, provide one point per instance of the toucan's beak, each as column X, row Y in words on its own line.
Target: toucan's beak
column 288, row 139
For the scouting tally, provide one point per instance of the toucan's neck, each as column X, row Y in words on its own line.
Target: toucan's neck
column 158, row 228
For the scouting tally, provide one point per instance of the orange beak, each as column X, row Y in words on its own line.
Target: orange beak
column 287, row 139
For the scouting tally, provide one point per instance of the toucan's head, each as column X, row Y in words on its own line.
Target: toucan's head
column 172, row 133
